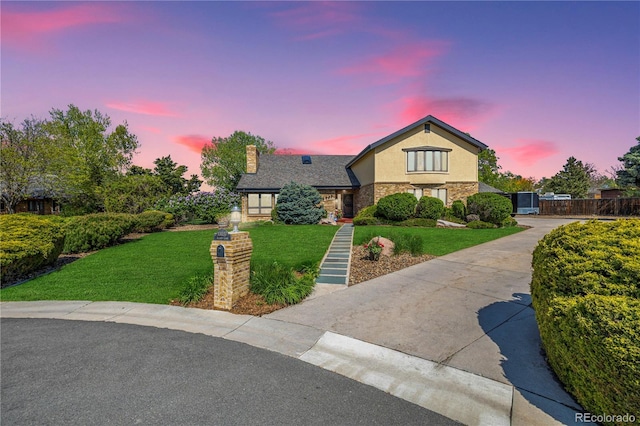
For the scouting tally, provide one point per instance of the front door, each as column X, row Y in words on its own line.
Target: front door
column 347, row 205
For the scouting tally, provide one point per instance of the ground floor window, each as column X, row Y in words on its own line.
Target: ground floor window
column 36, row 206
column 416, row 191
column 260, row 204
column 440, row 193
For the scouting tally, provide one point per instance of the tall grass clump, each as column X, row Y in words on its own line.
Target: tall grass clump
column 279, row 284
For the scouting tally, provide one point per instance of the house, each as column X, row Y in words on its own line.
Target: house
column 36, row 202
column 428, row 157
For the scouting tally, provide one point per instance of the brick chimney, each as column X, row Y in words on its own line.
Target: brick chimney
column 252, row 159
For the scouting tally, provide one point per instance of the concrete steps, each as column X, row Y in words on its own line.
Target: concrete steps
column 335, row 265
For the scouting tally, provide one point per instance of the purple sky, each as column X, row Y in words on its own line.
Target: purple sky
column 536, row 81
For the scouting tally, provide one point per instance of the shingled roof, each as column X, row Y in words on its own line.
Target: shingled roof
column 275, row 171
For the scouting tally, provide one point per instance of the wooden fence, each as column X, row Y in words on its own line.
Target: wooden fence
column 592, row 207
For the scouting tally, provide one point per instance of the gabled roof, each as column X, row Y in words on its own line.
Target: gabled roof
column 275, row 171
column 428, row 119
column 483, row 187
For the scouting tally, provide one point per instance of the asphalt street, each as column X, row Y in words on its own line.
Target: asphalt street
column 56, row 372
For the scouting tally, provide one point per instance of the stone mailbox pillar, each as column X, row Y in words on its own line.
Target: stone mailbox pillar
column 231, row 254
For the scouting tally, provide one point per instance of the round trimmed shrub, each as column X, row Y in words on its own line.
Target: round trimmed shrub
column 367, row 216
column 299, row 204
column 585, row 290
column 458, row 209
column 152, row 221
column 492, row 208
column 397, row 207
column 430, row 208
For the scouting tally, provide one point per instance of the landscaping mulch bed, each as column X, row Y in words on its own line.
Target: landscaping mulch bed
column 363, row 269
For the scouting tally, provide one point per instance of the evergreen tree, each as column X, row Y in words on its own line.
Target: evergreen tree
column 299, row 204
column 629, row 176
column 574, row 179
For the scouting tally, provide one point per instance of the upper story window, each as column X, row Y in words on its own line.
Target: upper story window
column 427, row 159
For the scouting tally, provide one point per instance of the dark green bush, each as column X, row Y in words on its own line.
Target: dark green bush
column 424, row 223
column 478, row 224
column 363, row 221
column 299, row 204
column 152, row 221
column 586, row 293
column 459, row 210
column 430, row 208
column 397, row 207
column 96, row 231
column 366, row 216
column 280, row 284
column 490, row 207
column 28, row 242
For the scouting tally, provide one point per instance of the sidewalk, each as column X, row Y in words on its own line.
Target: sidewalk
column 455, row 335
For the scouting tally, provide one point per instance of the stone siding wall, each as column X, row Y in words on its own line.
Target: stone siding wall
column 460, row 191
column 384, row 189
column 362, row 198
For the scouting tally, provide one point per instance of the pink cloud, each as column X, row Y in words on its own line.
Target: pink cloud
column 193, row 142
column 529, row 151
column 348, row 144
column 150, row 129
column 318, row 19
column 408, row 60
column 31, row 29
column 456, row 111
column 144, row 107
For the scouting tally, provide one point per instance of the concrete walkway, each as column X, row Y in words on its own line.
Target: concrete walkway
column 455, row 335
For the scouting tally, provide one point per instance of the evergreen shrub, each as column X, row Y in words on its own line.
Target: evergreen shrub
column 299, row 205
column 490, row 207
column 430, row 208
column 586, row 294
column 152, row 221
column 459, row 210
column 96, row 231
column 397, row 207
column 28, row 242
column 366, row 216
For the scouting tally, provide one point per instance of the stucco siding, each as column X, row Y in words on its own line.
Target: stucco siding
column 390, row 159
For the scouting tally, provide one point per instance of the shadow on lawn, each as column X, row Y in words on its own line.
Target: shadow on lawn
column 524, row 364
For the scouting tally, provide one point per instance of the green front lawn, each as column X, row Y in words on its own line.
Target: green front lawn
column 435, row 241
column 157, row 267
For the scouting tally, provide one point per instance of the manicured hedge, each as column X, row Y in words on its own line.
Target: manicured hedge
column 492, row 208
column 152, row 221
column 430, row 208
column 397, row 207
column 96, row 231
column 28, row 242
column 586, row 294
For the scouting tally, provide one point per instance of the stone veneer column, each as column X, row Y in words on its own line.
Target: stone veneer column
column 231, row 272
